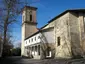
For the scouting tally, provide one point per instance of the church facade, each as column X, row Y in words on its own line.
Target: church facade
column 62, row 37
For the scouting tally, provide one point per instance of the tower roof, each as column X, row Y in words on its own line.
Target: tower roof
column 29, row 7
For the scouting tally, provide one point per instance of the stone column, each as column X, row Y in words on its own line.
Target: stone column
column 34, row 50
column 31, row 56
column 30, row 50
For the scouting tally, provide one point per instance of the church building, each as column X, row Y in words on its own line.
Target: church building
column 62, row 37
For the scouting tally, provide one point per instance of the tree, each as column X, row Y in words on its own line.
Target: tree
column 16, row 51
column 7, row 47
column 9, row 11
column 8, row 14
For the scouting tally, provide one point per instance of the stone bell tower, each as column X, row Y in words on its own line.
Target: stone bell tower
column 29, row 24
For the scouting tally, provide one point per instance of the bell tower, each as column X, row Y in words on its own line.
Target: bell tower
column 29, row 24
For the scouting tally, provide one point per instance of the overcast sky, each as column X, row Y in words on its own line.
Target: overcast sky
column 47, row 9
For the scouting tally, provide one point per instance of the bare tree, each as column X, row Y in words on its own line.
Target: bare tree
column 8, row 16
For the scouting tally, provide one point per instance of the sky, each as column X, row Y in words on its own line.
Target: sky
column 47, row 9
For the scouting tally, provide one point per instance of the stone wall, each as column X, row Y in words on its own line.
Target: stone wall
column 75, row 35
column 62, row 31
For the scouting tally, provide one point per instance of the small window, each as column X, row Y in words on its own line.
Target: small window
column 38, row 49
column 26, row 42
column 66, row 22
column 32, row 39
column 35, row 38
column 30, row 17
column 29, row 41
column 58, row 39
column 38, row 37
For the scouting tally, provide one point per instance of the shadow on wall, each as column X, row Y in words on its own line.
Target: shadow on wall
column 45, row 47
column 76, row 46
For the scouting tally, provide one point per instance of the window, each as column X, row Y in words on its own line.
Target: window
column 58, row 39
column 32, row 39
column 67, row 22
column 29, row 41
column 26, row 42
column 38, row 37
column 35, row 38
column 38, row 49
column 30, row 17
